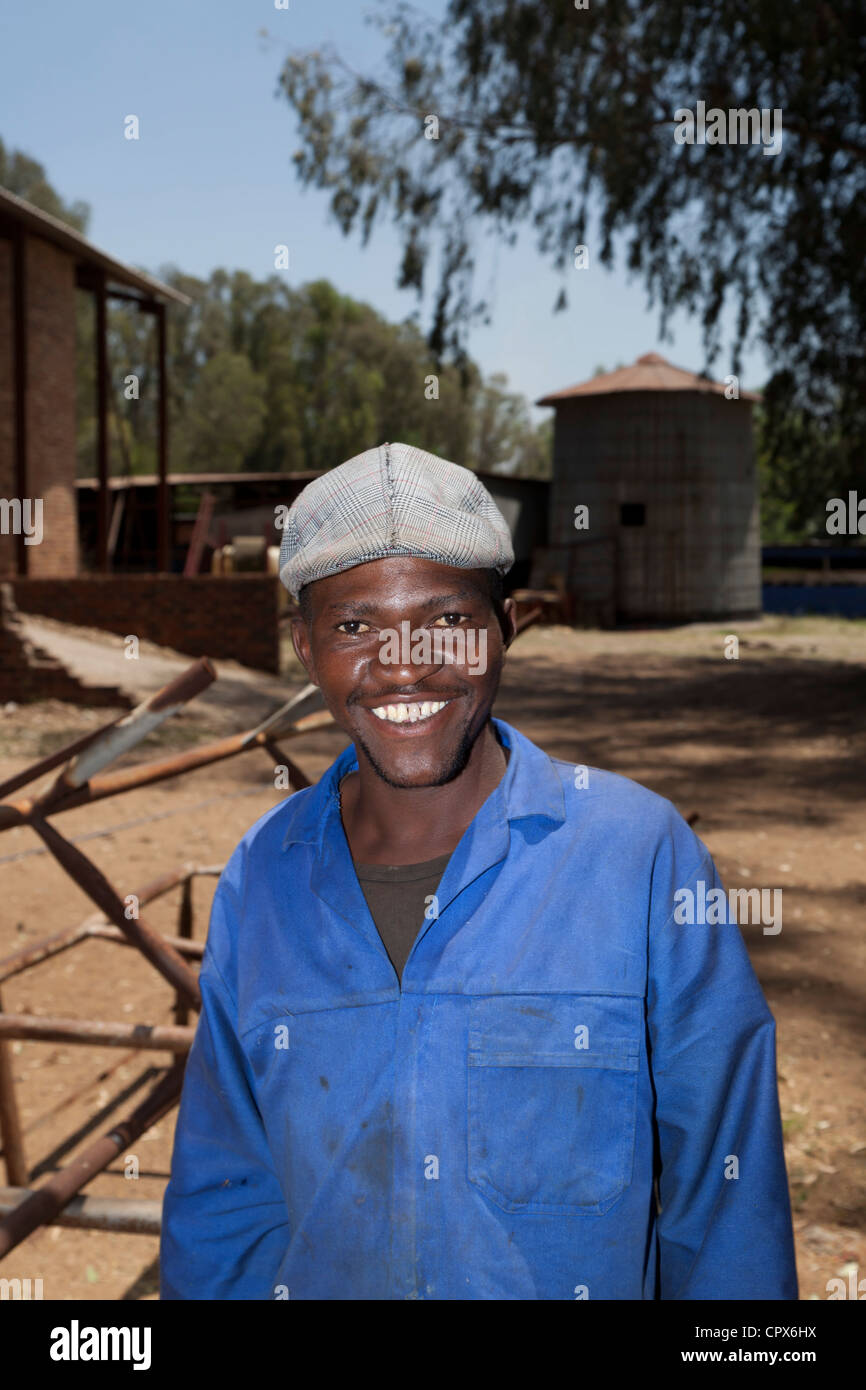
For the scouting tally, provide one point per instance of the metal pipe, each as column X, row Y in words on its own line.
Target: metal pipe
column 146, row 1036
column 193, row 949
column 10, row 1120
column 163, row 501
column 122, row 1215
column 184, row 930
column 45, row 1202
column 49, row 946
column 20, row 362
column 102, row 438
column 129, row 731
column 131, row 779
column 162, row 957
column 310, row 699
column 43, row 949
column 53, row 760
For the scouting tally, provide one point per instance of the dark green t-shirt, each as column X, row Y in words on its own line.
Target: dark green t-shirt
column 398, row 897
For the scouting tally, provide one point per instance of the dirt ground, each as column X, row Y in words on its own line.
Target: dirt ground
column 768, row 750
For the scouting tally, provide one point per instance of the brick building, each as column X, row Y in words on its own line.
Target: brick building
column 663, row 463
column 42, row 262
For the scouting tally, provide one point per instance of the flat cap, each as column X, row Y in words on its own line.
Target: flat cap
column 392, row 500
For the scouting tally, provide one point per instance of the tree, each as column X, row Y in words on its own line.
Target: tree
column 565, row 119
column 26, row 177
column 266, row 376
column 223, row 416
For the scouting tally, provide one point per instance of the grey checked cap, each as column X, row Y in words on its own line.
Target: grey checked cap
column 392, row 500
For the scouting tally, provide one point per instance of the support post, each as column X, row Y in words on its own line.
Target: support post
column 163, row 519
column 102, row 443
column 19, row 308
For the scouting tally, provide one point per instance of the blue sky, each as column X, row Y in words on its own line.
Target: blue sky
column 210, row 181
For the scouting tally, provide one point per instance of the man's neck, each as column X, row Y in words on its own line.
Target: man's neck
column 409, row 825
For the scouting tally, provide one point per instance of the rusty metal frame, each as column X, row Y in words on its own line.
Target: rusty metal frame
column 82, row 780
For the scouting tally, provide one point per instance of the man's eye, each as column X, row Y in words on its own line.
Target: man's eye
column 445, row 618
column 351, row 626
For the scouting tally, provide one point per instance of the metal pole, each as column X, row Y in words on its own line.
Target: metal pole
column 184, row 929
column 20, row 355
column 130, row 1215
column 95, row 925
column 163, row 519
column 101, row 422
column 129, row 779
column 297, row 778
column 10, row 1121
column 62, row 755
column 193, row 949
column 148, row 1037
column 191, row 682
column 162, row 957
column 45, row 1202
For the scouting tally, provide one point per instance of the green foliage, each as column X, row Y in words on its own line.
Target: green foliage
column 803, row 461
column 223, row 416
column 563, row 119
column 26, row 177
column 266, row 377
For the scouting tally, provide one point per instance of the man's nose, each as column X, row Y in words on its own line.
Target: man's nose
column 395, row 657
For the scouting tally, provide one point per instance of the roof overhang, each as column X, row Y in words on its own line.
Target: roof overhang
column 17, row 211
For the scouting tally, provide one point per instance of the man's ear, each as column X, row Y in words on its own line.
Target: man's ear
column 303, row 649
column 509, row 621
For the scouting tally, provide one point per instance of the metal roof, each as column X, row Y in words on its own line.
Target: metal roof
column 651, row 372
column 303, row 475
column 181, row 479
column 85, row 253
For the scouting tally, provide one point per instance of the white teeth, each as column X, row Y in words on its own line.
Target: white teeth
column 411, row 713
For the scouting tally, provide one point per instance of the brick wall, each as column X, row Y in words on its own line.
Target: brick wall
column 229, row 617
column 51, row 406
column 50, row 330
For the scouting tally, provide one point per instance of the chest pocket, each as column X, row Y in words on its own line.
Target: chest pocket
column 552, row 1098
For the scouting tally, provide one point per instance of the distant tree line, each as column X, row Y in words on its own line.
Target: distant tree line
column 265, row 377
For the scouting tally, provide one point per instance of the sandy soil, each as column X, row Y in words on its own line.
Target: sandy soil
column 768, row 750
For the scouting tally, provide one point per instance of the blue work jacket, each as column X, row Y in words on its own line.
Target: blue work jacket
column 570, row 1095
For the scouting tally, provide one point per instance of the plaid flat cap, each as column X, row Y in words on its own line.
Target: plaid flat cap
column 392, row 500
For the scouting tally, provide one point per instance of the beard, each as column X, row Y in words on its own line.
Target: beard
column 453, row 767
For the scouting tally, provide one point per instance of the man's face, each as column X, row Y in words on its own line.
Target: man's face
column 348, row 650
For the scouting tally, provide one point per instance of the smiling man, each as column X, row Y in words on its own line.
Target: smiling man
column 455, row 1043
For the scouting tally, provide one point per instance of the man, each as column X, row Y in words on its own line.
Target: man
column 455, row 1043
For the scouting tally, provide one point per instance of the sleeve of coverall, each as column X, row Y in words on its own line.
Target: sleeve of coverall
column 224, row 1224
column 724, row 1229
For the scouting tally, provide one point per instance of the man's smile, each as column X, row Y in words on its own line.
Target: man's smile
column 408, row 715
